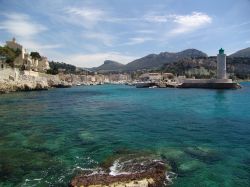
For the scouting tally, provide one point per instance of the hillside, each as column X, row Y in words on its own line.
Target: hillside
column 206, row 67
column 153, row 61
column 109, row 65
column 245, row 53
column 190, row 62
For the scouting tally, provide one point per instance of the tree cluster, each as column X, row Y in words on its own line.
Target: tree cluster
column 35, row 55
column 9, row 54
column 56, row 67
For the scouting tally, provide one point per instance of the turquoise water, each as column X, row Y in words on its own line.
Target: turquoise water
column 46, row 137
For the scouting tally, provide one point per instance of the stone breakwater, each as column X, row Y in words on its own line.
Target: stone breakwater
column 29, row 83
column 136, row 172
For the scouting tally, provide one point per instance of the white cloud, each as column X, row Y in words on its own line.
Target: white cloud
column 89, row 47
column 86, row 13
column 189, row 23
column 104, row 38
column 153, row 17
column 180, row 23
column 96, row 59
column 86, row 16
column 145, row 31
column 138, row 40
column 26, row 31
column 21, row 25
column 32, row 45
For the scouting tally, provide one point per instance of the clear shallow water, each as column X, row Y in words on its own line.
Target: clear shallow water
column 47, row 136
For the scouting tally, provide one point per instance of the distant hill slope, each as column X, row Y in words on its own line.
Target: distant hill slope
column 237, row 67
column 109, row 65
column 153, row 61
column 242, row 53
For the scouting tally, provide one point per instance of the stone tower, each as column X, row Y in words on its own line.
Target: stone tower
column 221, row 65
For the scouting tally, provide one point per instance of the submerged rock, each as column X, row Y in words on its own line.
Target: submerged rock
column 87, row 136
column 172, row 154
column 190, row 166
column 126, row 172
column 204, row 154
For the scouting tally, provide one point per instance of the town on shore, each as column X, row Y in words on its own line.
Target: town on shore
column 21, row 70
column 24, row 71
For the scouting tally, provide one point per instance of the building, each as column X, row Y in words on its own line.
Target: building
column 156, row 77
column 118, row 77
column 25, row 61
column 168, row 76
column 150, row 77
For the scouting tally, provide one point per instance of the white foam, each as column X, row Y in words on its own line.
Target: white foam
column 93, row 171
column 115, row 169
column 27, row 182
column 170, row 176
column 37, row 179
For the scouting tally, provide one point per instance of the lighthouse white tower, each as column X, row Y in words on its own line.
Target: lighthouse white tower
column 221, row 65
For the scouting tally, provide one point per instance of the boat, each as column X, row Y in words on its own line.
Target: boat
column 144, row 84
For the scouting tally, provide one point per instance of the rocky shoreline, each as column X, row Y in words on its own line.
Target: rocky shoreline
column 135, row 172
column 31, row 83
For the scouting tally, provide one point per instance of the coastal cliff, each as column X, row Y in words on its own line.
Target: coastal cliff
column 16, row 80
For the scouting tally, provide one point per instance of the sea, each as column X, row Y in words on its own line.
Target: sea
column 48, row 137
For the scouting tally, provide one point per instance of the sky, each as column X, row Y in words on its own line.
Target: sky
column 87, row 32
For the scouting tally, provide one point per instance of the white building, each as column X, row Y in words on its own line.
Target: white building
column 150, row 77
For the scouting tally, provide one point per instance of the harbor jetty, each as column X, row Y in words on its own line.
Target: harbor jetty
column 220, row 82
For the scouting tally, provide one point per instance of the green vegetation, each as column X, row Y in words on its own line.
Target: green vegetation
column 237, row 68
column 35, row 55
column 200, row 73
column 56, row 67
column 9, row 54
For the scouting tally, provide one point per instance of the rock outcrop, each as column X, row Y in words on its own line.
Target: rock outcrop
column 109, row 66
column 137, row 172
column 29, row 83
column 13, row 86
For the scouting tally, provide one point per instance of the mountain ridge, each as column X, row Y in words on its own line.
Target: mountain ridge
column 153, row 61
column 109, row 65
column 245, row 53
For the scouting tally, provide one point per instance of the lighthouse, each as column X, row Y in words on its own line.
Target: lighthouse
column 221, row 65
column 221, row 82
